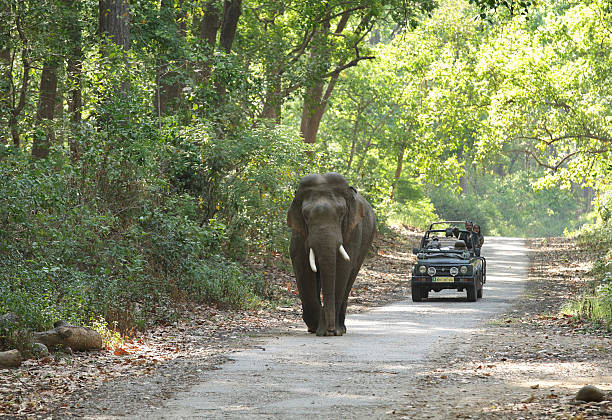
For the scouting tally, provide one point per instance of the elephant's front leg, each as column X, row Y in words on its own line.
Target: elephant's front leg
column 309, row 289
column 307, row 282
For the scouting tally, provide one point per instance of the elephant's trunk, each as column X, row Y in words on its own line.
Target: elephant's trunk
column 327, row 267
column 323, row 255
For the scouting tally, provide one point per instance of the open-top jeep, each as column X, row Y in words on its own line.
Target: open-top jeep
column 448, row 258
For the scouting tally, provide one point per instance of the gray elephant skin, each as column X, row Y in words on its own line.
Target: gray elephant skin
column 332, row 229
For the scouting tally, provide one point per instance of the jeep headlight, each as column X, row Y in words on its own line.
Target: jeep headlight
column 454, row 271
column 431, row 271
column 422, row 269
column 463, row 269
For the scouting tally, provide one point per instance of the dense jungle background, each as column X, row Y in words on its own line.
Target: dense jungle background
column 149, row 151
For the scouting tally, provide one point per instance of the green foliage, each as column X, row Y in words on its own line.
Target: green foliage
column 546, row 85
column 419, row 213
column 411, row 207
column 595, row 304
column 68, row 255
column 245, row 182
column 510, row 206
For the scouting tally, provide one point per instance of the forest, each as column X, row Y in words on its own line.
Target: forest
column 149, row 150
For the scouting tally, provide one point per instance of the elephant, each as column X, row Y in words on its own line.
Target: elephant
column 332, row 229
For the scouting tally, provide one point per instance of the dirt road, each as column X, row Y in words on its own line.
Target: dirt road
column 365, row 373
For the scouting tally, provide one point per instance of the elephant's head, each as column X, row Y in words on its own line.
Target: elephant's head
column 324, row 213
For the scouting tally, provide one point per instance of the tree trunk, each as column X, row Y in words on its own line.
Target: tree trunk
column 75, row 100
column 353, row 142
column 25, row 80
column 6, row 76
column 208, row 29
column 114, row 24
column 232, row 9
column 315, row 104
column 45, row 110
column 74, row 70
column 168, row 87
column 463, row 183
column 398, row 171
column 312, row 112
column 114, row 21
column 5, row 91
column 273, row 101
column 315, row 99
column 58, row 113
column 588, row 194
column 498, row 168
column 364, row 154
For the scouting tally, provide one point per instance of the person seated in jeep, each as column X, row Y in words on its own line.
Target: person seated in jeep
column 465, row 236
column 478, row 238
column 434, row 244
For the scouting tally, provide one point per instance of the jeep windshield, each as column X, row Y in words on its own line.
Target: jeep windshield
column 446, row 239
column 436, row 244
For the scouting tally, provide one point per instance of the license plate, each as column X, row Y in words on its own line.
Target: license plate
column 443, row 279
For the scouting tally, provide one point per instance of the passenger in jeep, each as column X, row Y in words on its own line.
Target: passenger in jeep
column 464, row 236
column 478, row 237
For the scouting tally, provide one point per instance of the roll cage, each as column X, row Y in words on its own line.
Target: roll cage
column 437, row 241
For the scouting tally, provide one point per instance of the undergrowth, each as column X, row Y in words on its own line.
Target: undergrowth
column 107, row 238
column 595, row 304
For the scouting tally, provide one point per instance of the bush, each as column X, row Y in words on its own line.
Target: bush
column 419, row 213
column 70, row 252
column 596, row 303
column 244, row 181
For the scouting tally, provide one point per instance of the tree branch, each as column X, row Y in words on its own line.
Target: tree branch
column 351, row 63
column 559, row 163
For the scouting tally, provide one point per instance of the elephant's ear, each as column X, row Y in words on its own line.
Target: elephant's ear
column 294, row 218
column 356, row 211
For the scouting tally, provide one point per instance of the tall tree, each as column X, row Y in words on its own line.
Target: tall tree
column 232, row 9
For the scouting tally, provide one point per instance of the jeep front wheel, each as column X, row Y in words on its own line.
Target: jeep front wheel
column 416, row 294
column 471, row 293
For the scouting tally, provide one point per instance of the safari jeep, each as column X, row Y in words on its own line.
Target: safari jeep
column 447, row 259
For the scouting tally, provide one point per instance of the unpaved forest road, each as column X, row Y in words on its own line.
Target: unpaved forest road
column 365, row 373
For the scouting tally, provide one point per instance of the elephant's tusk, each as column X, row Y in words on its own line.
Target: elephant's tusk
column 311, row 257
column 344, row 253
